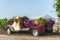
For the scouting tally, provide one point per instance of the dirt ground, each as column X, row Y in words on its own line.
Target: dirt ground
column 27, row 36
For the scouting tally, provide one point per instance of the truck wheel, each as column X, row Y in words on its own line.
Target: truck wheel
column 8, row 31
column 35, row 32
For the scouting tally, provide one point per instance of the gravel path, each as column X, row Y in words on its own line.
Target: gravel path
column 29, row 37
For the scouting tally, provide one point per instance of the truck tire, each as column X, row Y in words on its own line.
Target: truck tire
column 35, row 32
column 8, row 31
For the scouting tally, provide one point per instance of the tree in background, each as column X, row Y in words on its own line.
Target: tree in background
column 57, row 7
column 3, row 23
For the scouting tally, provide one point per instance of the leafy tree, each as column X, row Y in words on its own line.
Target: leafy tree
column 57, row 7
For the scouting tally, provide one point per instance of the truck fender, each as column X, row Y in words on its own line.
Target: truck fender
column 9, row 26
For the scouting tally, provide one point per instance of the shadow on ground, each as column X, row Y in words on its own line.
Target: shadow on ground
column 29, row 34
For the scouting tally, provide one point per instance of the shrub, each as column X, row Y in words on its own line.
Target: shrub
column 3, row 23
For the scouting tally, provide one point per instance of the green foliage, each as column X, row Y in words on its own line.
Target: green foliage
column 57, row 7
column 3, row 23
column 40, row 20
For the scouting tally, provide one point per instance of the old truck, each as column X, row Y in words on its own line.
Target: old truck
column 36, row 27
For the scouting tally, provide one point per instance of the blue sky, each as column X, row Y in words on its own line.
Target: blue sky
column 30, row 8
